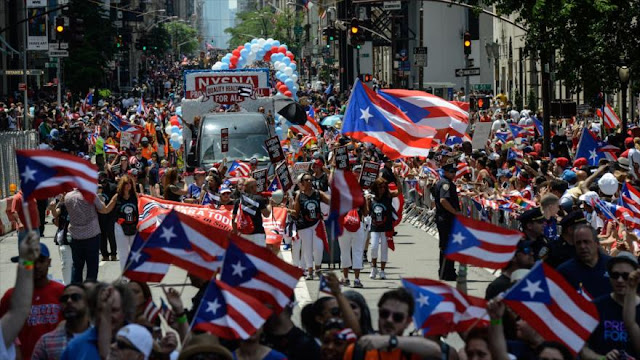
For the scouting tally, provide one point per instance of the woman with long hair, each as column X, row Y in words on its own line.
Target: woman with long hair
column 381, row 211
column 170, row 184
column 126, row 224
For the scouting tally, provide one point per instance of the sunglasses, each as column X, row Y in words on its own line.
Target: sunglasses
column 616, row 275
column 397, row 317
column 306, row 180
column 74, row 297
column 123, row 345
column 526, row 251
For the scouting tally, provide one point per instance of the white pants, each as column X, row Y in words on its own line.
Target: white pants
column 379, row 240
column 295, row 250
column 67, row 263
column 123, row 242
column 312, row 247
column 351, row 248
column 258, row 239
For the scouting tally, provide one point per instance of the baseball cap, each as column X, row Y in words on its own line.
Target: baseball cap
column 253, row 161
column 139, row 337
column 224, row 189
column 44, row 252
column 204, row 344
column 562, row 162
column 623, row 256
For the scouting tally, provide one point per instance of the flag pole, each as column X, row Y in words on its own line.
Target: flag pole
column 27, row 214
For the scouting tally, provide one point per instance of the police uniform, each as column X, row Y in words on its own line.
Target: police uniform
column 539, row 245
column 561, row 251
column 445, row 189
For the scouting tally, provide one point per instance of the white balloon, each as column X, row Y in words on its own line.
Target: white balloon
column 294, row 77
column 282, row 67
column 255, row 47
column 288, row 71
column 167, row 130
column 180, row 139
column 261, row 42
column 175, row 136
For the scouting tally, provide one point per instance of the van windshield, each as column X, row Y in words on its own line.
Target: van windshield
column 246, row 138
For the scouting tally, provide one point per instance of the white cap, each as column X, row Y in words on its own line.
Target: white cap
column 608, row 184
column 589, row 197
column 139, row 337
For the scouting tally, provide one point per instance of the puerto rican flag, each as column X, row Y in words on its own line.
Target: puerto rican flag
column 229, row 313
column 189, row 243
column 323, row 286
column 110, row 149
column 140, row 267
column 522, row 131
column 141, row 109
column 516, row 155
column 630, row 198
column 611, row 119
column 403, row 169
column 258, row 272
column 239, row 169
column 593, row 150
column 626, row 214
column 151, row 311
column 463, row 169
column 481, row 244
column 86, row 103
column 429, row 171
column 47, row 173
column 346, row 194
column 311, row 127
column 430, row 110
column 372, row 118
column 441, row 309
column 275, row 185
column 123, row 126
column 504, row 136
column 547, row 302
column 307, row 140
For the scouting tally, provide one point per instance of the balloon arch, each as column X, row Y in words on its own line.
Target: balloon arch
column 265, row 50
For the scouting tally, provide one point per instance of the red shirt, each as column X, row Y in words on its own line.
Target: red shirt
column 45, row 315
column 16, row 207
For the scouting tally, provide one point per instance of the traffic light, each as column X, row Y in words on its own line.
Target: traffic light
column 467, row 43
column 356, row 34
column 119, row 41
column 355, row 27
column 60, row 25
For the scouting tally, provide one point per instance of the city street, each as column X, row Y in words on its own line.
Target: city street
column 416, row 255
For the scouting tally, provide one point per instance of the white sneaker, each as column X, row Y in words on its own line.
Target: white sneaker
column 374, row 272
column 383, row 276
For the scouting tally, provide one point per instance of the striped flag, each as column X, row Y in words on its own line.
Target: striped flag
column 47, row 173
column 110, row 149
column 522, row 131
column 139, row 265
column 478, row 243
column 323, row 286
column 311, row 127
column 239, row 168
column 258, row 272
column 463, row 169
column 229, row 313
column 86, row 103
column 151, row 311
column 547, row 302
column 611, row 119
column 441, row 309
column 346, row 194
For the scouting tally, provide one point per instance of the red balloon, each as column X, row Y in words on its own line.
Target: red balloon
column 236, row 52
column 278, row 84
column 288, row 93
column 290, row 55
column 267, row 56
column 232, row 66
column 234, row 59
column 174, row 122
column 282, row 50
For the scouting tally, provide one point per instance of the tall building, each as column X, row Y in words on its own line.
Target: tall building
column 217, row 15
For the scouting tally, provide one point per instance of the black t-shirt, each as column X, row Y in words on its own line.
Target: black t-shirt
column 170, row 193
column 500, row 284
column 108, row 191
column 611, row 333
column 446, row 189
column 252, row 205
column 127, row 214
column 387, row 174
column 595, row 280
column 296, row 344
column 381, row 214
column 141, row 166
column 320, row 183
column 309, row 210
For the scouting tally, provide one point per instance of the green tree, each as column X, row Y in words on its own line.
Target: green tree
column 89, row 53
column 182, row 35
column 266, row 23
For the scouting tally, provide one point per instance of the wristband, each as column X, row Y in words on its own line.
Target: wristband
column 27, row 264
column 496, row 321
column 182, row 319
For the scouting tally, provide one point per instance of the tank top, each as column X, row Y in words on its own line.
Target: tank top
column 170, row 195
column 381, row 214
column 309, row 210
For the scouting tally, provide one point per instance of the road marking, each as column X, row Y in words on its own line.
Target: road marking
column 102, row 263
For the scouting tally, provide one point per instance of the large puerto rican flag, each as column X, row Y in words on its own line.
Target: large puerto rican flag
column 430, row 110
column 311, row 127
column 593, row 149
column 371, row 118
column 547, row 302
column 481, row 244
column 47, row 173
column 346, row 194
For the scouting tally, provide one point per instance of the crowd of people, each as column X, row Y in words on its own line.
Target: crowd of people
column 564, row 204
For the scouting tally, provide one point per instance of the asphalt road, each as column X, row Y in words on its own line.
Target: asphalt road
column 416, row 255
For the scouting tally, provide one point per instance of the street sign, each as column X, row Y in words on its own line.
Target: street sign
column 224, row 140
column 481, row 87
column 58, row 53
column 49, row 65
column 467, row 72
column 392, row 5
column 20, row 72
column 420, row 56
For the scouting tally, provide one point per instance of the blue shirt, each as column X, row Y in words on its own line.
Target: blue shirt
column 595, row 280
column 193, row 191
column 551, row 229
column 83, row 346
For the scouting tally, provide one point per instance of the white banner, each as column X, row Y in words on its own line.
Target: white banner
column 37, row 38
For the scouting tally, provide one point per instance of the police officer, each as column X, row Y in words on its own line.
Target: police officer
column 447, row 206
column 563, row 250
column 532, row 222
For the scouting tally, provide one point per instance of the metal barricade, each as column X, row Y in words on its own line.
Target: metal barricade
column 9, row 142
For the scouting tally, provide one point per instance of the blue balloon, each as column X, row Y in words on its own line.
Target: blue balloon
column 225, row 60
column 224, row 66
column 254, row 41
column 174, row 144
column 276, row 43
column 289, row 83
column 260, row 54
column 244, row 53
column 285, row 46
column 286, row 61
column 247, row 45
column 293, row 67
column 174, row 129
column 278, row 56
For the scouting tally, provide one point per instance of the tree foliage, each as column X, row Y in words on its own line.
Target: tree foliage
column 86, row 65
column 183, row 34
column 588, row 37
column 266, row 23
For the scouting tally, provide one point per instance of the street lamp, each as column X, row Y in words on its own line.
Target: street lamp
column 168, row 18
column 623, row 74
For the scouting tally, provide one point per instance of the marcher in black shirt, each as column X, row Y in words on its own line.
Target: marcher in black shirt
column 251, row 206
column 447, row 206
